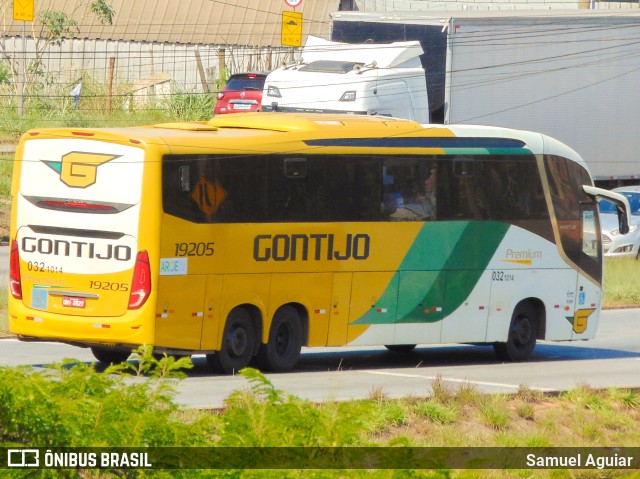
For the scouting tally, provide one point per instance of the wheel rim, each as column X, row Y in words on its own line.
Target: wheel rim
column 283, row 339
column 237, row 342
column 522, row 331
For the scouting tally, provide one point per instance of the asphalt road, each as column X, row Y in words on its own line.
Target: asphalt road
column 611, row 359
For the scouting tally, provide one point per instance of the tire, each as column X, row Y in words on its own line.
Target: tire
column 110, row 356
column 522, row 335
column 238, row 343
column 282, row 351
column 400, row 348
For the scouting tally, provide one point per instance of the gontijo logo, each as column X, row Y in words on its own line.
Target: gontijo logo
column 79, row 169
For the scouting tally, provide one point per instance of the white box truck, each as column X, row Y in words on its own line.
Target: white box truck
column 336, row 77
column 574, row 75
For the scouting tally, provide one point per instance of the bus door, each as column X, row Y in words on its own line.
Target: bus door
column 588, row 293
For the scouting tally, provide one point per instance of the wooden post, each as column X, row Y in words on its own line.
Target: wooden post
column 151, row 89
column 203, row 78
column 112, row 63
column 220, row 67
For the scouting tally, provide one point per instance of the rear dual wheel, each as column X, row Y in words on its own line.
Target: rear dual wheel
column 282, row 351
column 240, row 339
column 238, row 343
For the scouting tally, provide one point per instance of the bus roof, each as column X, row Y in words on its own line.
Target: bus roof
column 270, row 126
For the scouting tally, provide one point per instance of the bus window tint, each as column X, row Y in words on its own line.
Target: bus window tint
column 569, row 201
column 345, row 188
column 501, row 188
column 258, row 189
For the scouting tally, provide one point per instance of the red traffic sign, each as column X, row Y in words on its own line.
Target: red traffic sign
column 293, row 3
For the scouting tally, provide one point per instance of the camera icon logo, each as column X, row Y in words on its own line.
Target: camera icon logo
column 23, row 458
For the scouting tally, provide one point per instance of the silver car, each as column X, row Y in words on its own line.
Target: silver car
column 613, row 243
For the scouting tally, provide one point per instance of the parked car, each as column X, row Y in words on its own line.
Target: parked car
column 242, row 93
column 613, row 243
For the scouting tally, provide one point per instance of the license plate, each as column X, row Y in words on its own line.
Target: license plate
column 74, row 302
column 241, row 106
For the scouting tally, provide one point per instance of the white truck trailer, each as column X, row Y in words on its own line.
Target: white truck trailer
column 336, row 77
column 574, row 75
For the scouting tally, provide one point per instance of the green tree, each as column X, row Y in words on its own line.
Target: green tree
column 50, row 28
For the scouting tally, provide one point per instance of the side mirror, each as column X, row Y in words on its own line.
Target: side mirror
column 623, row 221
column 621, row 202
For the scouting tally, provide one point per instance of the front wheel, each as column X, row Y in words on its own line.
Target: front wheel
column 522, row 335
column 238, row 343
column 282, row 351
column 110, row 356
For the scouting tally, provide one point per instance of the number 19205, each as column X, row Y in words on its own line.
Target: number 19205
column 194, row 249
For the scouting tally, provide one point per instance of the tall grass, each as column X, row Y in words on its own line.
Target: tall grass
column 48, row 105
column 6, row 172
column 621, row 283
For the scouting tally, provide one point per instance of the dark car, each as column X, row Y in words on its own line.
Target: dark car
column 242, row 93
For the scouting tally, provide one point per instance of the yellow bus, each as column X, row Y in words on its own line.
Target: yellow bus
column 250, row 236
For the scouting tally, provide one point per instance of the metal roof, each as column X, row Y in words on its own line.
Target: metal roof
column 218, row 22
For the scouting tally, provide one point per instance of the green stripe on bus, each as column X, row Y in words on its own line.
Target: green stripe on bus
column 439, row 271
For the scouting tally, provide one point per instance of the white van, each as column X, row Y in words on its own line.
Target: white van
column 365, row 79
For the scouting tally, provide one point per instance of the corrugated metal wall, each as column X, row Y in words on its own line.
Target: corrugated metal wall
column 138, row 61
column 153, row 37
column 207, row 22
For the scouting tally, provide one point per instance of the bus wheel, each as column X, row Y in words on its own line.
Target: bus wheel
column 110, row 356
column 282, row 351
column 522, row 335
column 400, row 348
column 238, row 343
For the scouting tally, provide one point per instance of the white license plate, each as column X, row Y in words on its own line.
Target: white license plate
column 74, row 302
column 241, row 106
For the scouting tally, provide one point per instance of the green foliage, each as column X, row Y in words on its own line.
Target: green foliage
column 74, row 405
column 627, row 397
column 621, row 280
column 494, row 413
column 266, row 416
column 131, row 404
column 6, row 173
column 184, row 105
column 58, row 24
column 5, row 73
column 437, row 412
column 102, row 10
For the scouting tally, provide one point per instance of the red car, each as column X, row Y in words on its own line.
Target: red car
column 242, row 93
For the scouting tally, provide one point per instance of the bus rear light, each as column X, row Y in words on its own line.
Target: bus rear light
column 141, row 285
column 15, row 283
column 76, row 206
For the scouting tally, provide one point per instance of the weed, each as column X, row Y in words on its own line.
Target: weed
column 494, row 413
column 437, row 412
column 525, row 411
column 626, row 397
column 527, row 394
column 441, row 391
column 377, row 394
